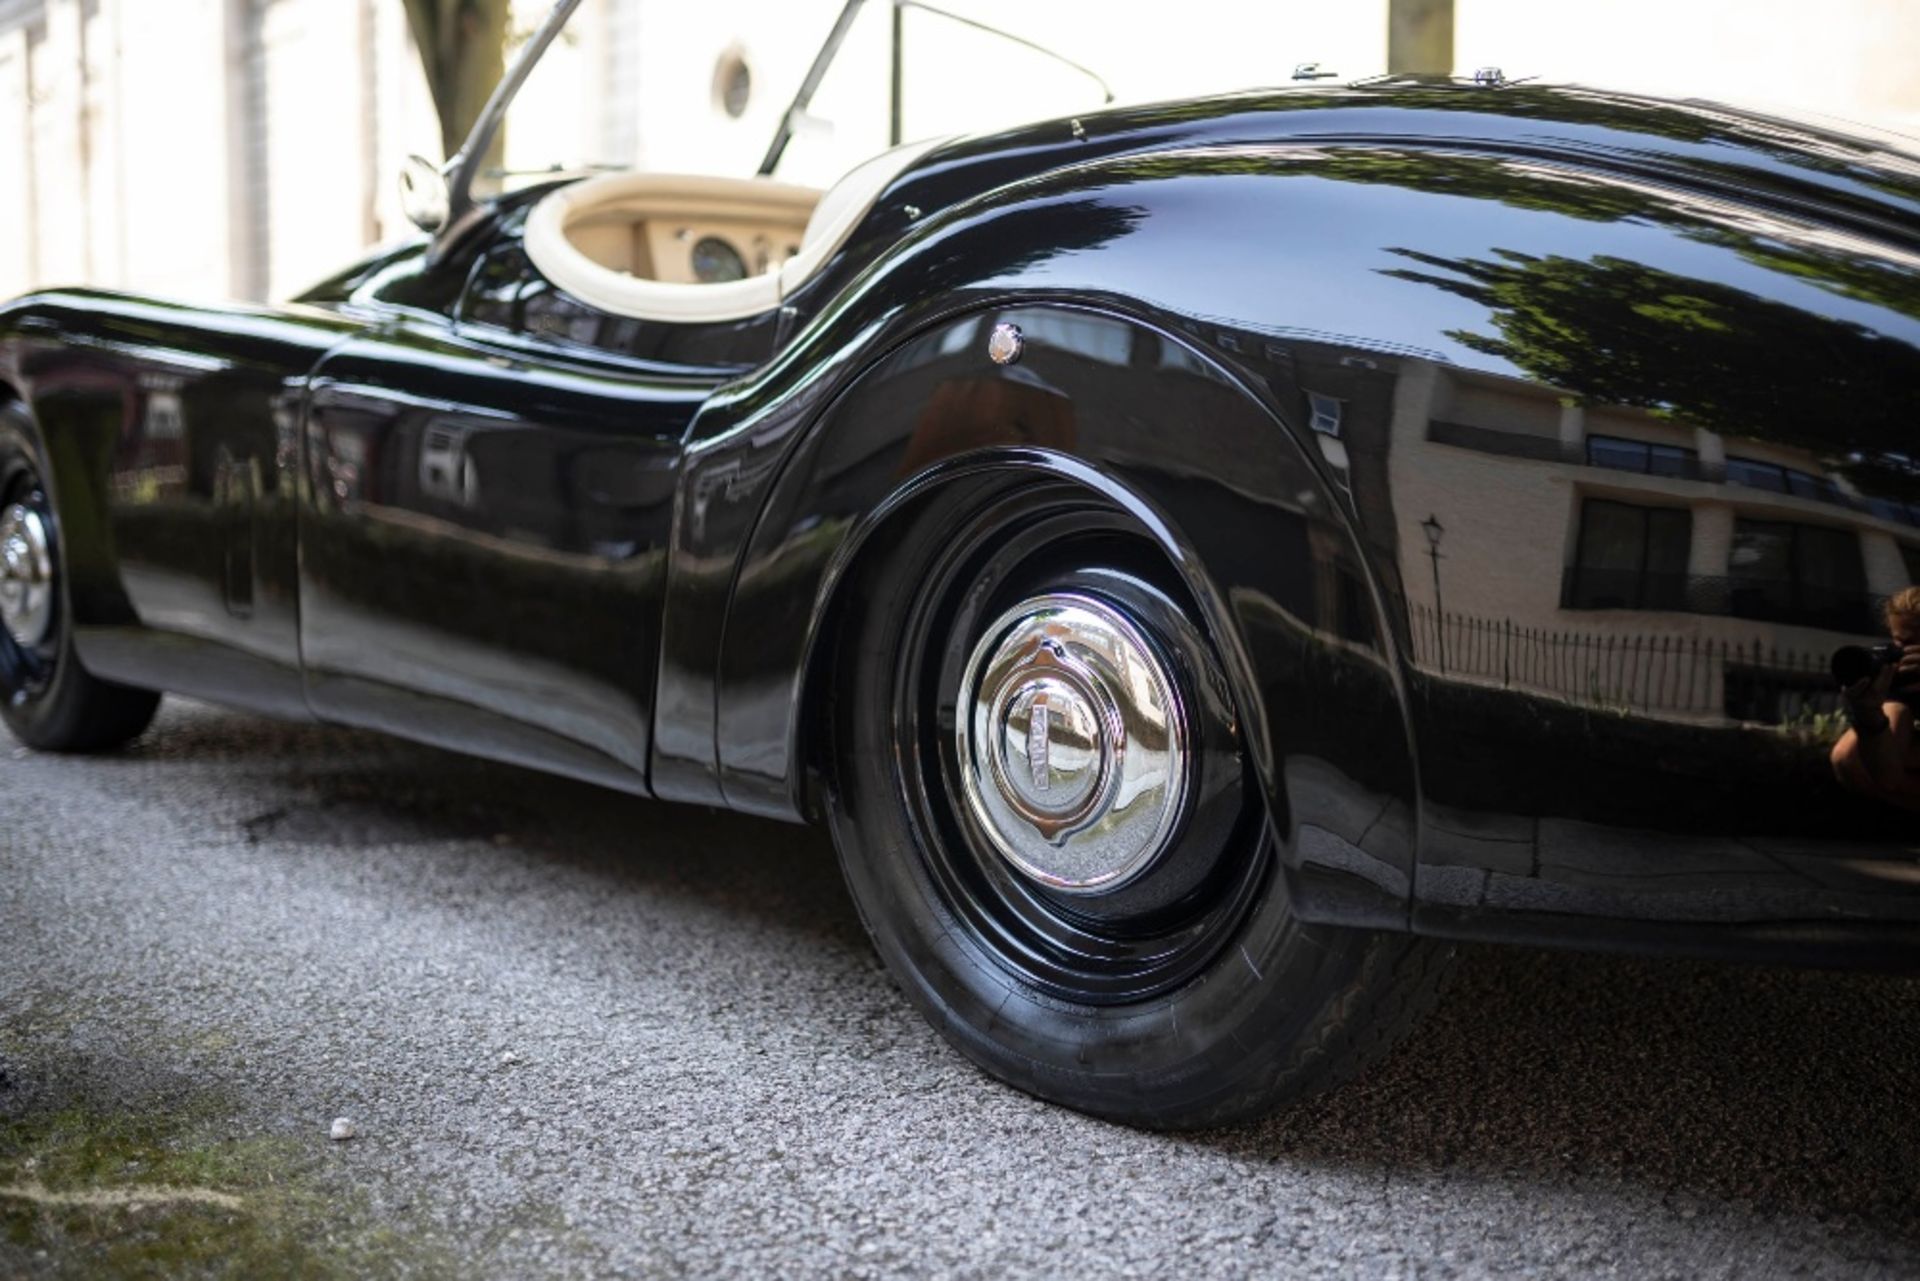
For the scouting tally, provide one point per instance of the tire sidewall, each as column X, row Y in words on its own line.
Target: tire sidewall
column 1245, row 1029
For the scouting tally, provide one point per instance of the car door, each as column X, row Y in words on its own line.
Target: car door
column 172, row 435
column 484, row 533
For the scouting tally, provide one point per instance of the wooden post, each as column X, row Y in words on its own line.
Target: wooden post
column 1420, row 37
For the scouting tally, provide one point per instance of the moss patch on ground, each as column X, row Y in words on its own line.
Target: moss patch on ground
column 171, row 1192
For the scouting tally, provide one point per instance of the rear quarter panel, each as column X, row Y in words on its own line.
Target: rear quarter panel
column 1444, row 339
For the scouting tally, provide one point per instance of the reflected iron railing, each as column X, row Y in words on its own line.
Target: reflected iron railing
column 1629, row 671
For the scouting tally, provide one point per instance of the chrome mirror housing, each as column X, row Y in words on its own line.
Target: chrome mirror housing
column 424, row 195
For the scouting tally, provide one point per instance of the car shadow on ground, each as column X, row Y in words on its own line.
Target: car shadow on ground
column 1778, row 1090
column 315, row 787
column 1782, row 1091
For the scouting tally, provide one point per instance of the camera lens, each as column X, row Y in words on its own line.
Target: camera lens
column 1853, row 663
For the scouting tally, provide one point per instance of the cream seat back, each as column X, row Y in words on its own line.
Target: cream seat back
column 603, row 213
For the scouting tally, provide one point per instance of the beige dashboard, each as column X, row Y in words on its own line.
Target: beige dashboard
column 696, row 237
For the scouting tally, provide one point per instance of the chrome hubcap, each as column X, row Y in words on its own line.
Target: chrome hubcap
column 1073, row 744
column 26, row 576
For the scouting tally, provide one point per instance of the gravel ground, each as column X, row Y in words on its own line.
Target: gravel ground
column 581, row 1034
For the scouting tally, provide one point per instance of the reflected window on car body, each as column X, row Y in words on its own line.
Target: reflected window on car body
column 1786, row 572
column 1641, row 456
column 1781, row 480
column 1326, row 413
column 1629, row 557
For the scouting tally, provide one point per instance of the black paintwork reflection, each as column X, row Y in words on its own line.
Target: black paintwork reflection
column 173, row 436
column 1604, row 330
column 1269, row 552
column 1412, row 412
column 508, row 294
column 741, row 441
column 487, row 538
column 487, row 283
column 1755, row 159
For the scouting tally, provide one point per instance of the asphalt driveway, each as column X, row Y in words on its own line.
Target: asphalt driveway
column 580, row 1034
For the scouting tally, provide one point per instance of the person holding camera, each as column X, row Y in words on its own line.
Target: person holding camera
column 1879, row 755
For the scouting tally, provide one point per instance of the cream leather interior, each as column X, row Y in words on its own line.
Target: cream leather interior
column 625, row 242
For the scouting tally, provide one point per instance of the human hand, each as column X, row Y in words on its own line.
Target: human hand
column 1905, row 673
column 1864, row 698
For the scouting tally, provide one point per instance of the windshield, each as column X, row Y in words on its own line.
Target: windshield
column 698, row 96
column 703, row 89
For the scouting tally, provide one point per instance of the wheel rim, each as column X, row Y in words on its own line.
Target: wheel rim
column 26, row 576
column 30, row 605
column 1128, row 872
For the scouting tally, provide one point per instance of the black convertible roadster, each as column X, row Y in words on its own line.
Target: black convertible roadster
column 1199, row 560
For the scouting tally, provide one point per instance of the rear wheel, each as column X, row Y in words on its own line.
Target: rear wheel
column 1046, row 817
column 47, row 699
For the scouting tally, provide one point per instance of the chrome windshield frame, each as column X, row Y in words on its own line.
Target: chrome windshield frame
column 796, row 111
column 464, row 213
column 464, row 167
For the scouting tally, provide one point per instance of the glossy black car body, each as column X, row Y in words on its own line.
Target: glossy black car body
column 1370, row 363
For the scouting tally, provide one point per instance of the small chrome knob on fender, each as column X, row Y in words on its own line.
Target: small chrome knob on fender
column 1073, row 743
column 1005, row 344
column 26, row 575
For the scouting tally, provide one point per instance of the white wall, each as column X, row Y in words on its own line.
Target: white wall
column 136, row 154
column 18, row 259
column 959, row 80
column 113, row 121
column 1854, row 59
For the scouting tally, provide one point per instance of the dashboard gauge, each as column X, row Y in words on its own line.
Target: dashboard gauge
column 715, row 261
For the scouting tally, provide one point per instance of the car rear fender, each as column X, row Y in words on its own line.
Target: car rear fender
column 1140, row 417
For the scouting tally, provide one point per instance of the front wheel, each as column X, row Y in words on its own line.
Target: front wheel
column 1046, row 817
column 47, row 699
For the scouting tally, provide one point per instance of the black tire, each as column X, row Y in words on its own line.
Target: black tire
column 47, row 699
column 1204, row 1005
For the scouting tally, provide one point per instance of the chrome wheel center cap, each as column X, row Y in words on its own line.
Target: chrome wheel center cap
column 1052, row 755
column 1073, row 743
column 26, row 575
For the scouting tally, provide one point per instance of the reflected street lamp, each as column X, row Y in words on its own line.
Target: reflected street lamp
column 1433, row 529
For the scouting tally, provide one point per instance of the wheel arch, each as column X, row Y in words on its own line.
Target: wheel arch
column 62, row 413
column 1094, row 237
column 936, row 410
column 898, row 509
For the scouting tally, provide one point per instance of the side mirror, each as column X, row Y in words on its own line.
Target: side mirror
column 424, row 196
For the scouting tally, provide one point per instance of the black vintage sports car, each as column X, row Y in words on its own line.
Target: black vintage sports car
column 1197, row 559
